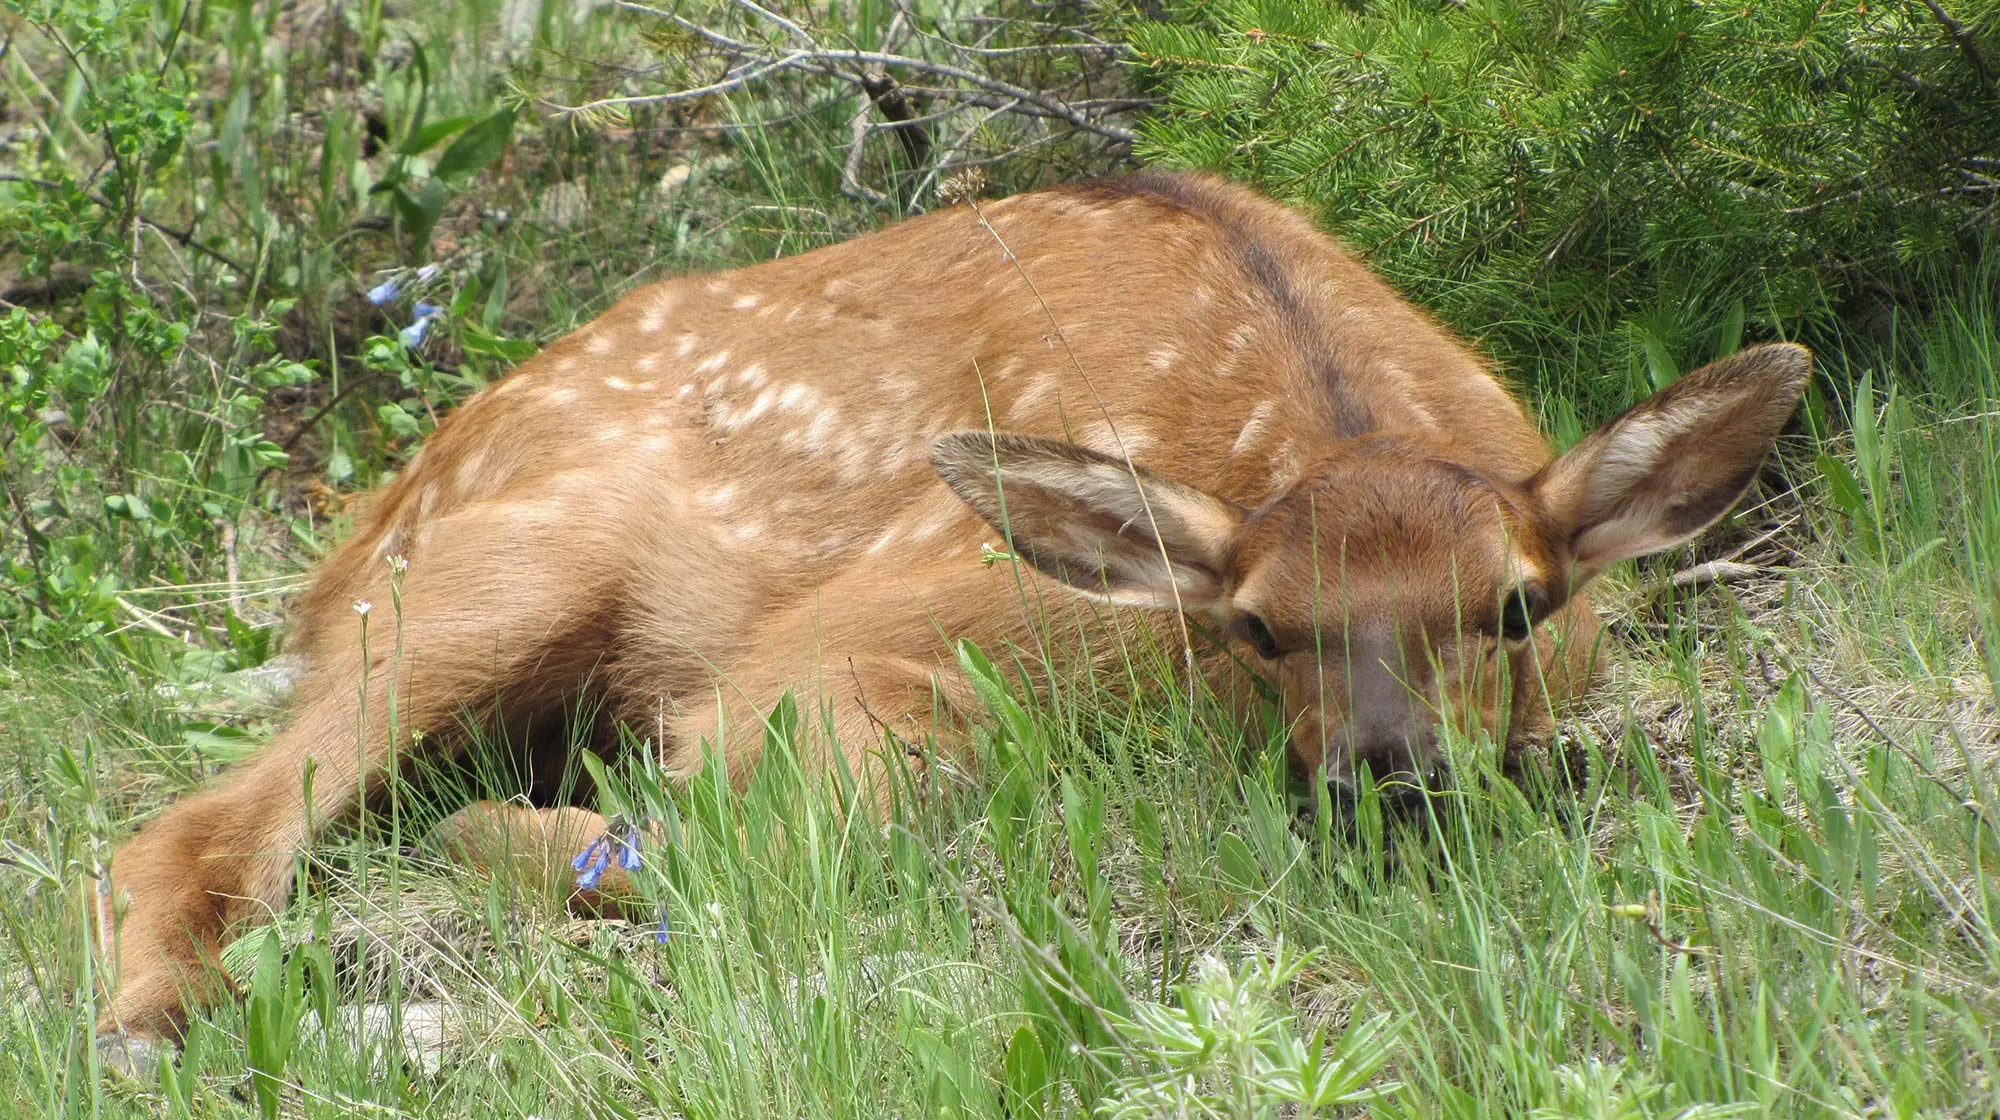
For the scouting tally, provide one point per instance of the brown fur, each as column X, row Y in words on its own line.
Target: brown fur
column 724, row 488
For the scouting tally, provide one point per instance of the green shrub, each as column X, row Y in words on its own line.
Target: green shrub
column 1606, row 191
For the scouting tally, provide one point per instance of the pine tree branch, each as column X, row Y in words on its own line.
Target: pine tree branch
column 1967, row 45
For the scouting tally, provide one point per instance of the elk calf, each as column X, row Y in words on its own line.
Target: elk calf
column 1162, row 394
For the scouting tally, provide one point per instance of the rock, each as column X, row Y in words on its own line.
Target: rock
column 130, row 1056
column 269, row 685
column 430, row 1030
column 563, row 206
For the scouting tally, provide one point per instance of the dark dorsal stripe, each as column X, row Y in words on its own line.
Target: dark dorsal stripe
column 1303, row 329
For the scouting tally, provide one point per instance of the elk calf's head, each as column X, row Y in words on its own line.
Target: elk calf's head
column 1390, row 566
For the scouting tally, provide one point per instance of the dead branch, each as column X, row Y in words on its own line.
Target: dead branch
column 871, row 72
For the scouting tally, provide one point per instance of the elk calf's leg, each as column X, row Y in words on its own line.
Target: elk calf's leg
column 491, row 612
column 535, row 851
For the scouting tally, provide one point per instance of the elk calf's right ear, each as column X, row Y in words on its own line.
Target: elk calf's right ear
column 1674, row 462
column 1106, row 528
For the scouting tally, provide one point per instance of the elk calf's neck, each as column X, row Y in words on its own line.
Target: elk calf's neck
column 1164, row 395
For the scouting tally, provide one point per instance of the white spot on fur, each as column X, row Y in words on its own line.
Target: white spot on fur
column 1163, row 358
column 719, row 497
column 713, row 362
column 610, row 435
column 685, row 345
column 471, row 473
column 817, row 431
column 937, row 521
column 1031, row 398
column 562, row 396
column 1242, row 337
column 1287, row 465
column 751, row 376
column 1253, row 429
column 564, row 365
column 618, row 383
column 599, row 344
column 884, row 541
column 745, row 302
column 655, row 318
column 716, row 286
column 858, row 458
column 757, row 408
column 1100, row 436
column 532, row 513
column 686, row 391
column 749, row 530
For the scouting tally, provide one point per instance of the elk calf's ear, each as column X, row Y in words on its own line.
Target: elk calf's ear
column 1675, row 462
column 1108, row 529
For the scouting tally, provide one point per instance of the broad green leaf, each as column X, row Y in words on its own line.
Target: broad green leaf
column 480, row 145
column 435, row 132
column 1238, row 865
column 1025, row 1075
column 1841, row 484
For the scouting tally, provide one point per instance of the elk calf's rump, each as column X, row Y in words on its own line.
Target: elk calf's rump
column 1163, row 394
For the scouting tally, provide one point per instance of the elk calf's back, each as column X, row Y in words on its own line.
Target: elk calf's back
column 1161, row 394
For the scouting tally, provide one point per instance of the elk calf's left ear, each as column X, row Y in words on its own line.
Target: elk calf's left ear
column 1104, row 527
column 1675, row 462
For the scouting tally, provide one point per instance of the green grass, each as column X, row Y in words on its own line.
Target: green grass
column 1772, row 894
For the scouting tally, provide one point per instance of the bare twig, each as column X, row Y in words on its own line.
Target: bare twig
column 946, row 161
column 1702, row 576
column 834, row 62
column 850, row 171
column 888, row 96
column 150, row 621
column 31, row 533
column 727, row 85
column 298, row 433
column 231, row 572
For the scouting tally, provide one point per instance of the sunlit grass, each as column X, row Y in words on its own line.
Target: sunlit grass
column 1770, row 894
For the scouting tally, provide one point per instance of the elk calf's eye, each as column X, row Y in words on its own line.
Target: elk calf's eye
column 1523, row 608
column 1259, row 637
